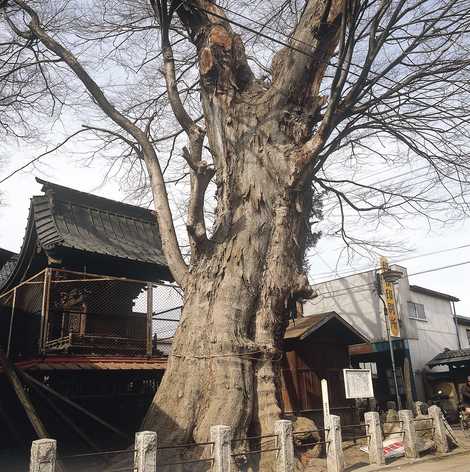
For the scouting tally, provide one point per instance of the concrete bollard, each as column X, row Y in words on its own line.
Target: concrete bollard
column 221, row 436
column 145, row 455
column 334, row 448
column 43, row 455
column 409, row 433
column 420, row 408
column 376, row 445
column 440, row 432
column 285, row 441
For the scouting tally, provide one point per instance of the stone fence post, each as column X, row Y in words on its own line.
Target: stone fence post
column 409, row 433
column 221, row 436
column 43, row 456
column 145, row 455
column 376, row 445
column 440, row 432
column 334, row 448
column 285, row 442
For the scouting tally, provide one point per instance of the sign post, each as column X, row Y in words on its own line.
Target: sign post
column 326, row 404
column 358, row 383
column 390, row 302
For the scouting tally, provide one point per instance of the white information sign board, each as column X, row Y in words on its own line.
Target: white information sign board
column 358, row 383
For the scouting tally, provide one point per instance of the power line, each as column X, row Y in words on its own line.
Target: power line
column 364, row 268
column 263, row 25
column 439, row 268
column 435, row 269
column 258, row 33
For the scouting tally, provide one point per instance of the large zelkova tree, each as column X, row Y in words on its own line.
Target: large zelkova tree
column 269, row 97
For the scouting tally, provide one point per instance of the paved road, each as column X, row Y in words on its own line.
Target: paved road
column 455, row 463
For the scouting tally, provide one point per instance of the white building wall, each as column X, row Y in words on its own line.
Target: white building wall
column 434, row 334
column 464, row 333
column 355, row 299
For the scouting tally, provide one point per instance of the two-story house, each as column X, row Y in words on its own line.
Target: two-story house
column 427, row 324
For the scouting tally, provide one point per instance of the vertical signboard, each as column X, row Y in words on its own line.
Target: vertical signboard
column 389, row 294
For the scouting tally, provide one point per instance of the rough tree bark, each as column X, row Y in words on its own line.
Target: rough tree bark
column 224, row 367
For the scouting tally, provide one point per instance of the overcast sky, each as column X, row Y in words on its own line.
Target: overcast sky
column 326, row 262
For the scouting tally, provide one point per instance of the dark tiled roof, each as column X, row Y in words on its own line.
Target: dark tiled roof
column 7, row 263
column 433, row 293
column 68, row 218
column 450, row 357
column 64, row 218
column 5, row 256
column 301, row 328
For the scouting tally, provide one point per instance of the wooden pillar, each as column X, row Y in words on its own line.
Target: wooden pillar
column 45, row 310
column 148, row 336
column 10, row 330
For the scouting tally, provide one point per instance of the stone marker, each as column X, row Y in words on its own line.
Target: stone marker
column 409, row 436
column 374, row 430
column 43, row 455
column 440, row 432
column 145, row 455
column 221, row 436
column 285, row 455
column 334, row 449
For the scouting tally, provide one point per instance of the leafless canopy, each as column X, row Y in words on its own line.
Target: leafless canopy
column 395, row 90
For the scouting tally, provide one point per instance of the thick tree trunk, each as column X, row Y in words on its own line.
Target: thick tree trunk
column 224, row 366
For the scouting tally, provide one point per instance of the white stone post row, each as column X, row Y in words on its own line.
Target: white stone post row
column 376, row 442
column 409, row 434
column 44, row 451
column 334, row 447
column 43, row 456
column 440, row 431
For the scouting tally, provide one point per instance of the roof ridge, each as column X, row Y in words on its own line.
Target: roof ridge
column 53, row 186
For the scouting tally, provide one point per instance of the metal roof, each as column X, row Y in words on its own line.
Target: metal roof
column 64, row 218
column 449, row 356
column 300, row 328
column 433, row 293
column 463, row 320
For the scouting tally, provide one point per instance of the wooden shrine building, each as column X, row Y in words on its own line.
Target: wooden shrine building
column 86, row 309
column 316, row 348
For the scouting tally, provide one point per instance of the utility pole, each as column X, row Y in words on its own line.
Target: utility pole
column 390, row 277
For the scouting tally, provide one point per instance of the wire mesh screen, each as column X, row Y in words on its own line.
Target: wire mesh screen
column 167, row 302
column 105, row 315
column 20, row 317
